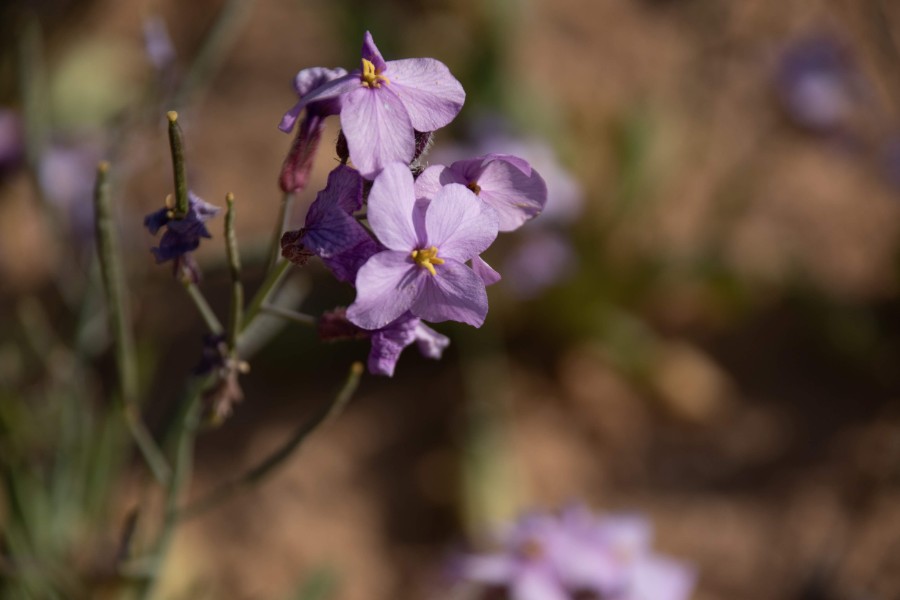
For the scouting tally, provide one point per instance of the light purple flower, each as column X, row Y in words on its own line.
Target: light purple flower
column 299, row 161
column 543, row 258
column 561, row 557
column 158, row 43
column 331, row 232
column 384, row 103
column 66, row 176
column 423, row 269
column 506, row 183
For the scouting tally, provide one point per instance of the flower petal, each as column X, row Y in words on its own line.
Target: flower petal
column 537, row 584
column 515, row 196
column 371, row 53
column 487, row 274
column 431, row 95
column 493, row 569
column 661, row 579
column 454, row 293
column 326, row 91
column 377, row 129
column 386, row 286
column 428, row 183
column 458, row 224
column 431, row 343
column 389, row 343
column 391, row 204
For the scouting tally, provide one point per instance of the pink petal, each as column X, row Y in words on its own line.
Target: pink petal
column 495, row 569
column 454, row 293
column 332, row 89
column 459, row 224
column 431, row 343
column 377, row 129
column 487, row 274
column 391, row 204
column 657, row 578
column 386, row 286
column 431, row 95
column 371, row 53
column 428, row 183
column 515, row 196
column 537, row 584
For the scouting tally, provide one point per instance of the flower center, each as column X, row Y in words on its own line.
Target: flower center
column 473, row 185
column 427, row 258
column 371, row 77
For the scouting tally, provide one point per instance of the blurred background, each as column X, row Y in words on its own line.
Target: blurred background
column 704, row 326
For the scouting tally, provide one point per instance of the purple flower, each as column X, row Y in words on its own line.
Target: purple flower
column 158, row 44
column 66, row 175
column 182, row 235
column 299, row 161
column 331, row 232
column 817, row 84
column 423, row 269
column 549, row 557
column 506, row 183
column 384, row 103
column 543, row 258
column 388, row 342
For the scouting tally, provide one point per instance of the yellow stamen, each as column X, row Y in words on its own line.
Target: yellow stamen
column 473, row 185
column 170, row 201
column 427, row 258
column 371, row 77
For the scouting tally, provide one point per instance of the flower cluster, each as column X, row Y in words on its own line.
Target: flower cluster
column 408, row 239
column 577, row 555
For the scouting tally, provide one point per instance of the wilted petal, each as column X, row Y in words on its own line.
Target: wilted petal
column 391, row 206
column 156, row 220
column 346, row 265
column 458, row 224
column 377, row 129
column 342, row 191
column 431, row 343
column 299, row 161
column 386, row 287
column 455, row 293
column 487, row 274
column 515, row 196
column 429, row 92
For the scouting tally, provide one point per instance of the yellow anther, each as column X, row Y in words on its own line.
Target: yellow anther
column 371, row 77
column 473, row 185
column 170, row 201
column 427, row 258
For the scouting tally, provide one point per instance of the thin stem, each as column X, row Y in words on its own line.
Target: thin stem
column 117, row 311
column 234, row 268
column 203, row 307
column 176, row 145
column 273, row 278
column 256, row 474
column 289, row 315
column 284, row 215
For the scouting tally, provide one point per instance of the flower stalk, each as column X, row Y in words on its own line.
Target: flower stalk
column 234, row 269
column 176, row 145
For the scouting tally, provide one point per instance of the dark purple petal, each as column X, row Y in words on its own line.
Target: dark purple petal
column 391, row 206
column 371, row 53
column 174, row 244
column 459, row 224
column 377, row 128
column 343, row 192
column 345, row 266
column 156, row 220
column 455, row 293
column 299, row 161
column 386, row 287
column 487, row 274
column 431, row 95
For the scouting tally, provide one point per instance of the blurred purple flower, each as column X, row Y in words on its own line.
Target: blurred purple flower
column 331, row 232
column 181, row 235
column 423, row 270
column 66, row 175
column 574, row 555
column 506, row 183
column 542, row 258
column 12, row 143
column 384, row 103
column 158, row 44
column 818, row 84
column 299, row 161
column 388, row 342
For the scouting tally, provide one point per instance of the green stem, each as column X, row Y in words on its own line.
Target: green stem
column 203, row 307
column 176, row 145
column 273, row 278
column 117, row 310
column 284, row 215
column 256, row 474
column 234, row 268
column 289, row 315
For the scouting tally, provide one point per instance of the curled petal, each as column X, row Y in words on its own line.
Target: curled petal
column 327, row 91
column 454, row 293
column 386, row 287
column 487, row 274
column 431, row 95
column 371, row 53
column 389, row 343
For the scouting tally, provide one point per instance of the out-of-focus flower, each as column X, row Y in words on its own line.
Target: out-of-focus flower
column 66, row 175
column 12, row 143
column 384, row 103
column 576, row 555
column 181, row 235
column 817, row 84
column 506, row 183
column 299, row 161
column 423, row 269
column 331, row 232
column 542, row 258
column 219, row 399
column 158, row 44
